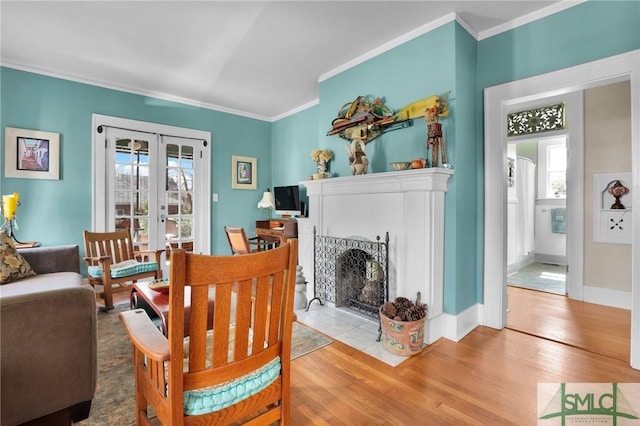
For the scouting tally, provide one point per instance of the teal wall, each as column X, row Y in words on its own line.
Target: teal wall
column 417, row 69
column 445, row 59
column 583, row 33
column 56, row 212
column 448, row 58
column 293, row 138
column 463, row 283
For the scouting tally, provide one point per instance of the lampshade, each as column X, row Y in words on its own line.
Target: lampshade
column 10, row 205
column 267, row 201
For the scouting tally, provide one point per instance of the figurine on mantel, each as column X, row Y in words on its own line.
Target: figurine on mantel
column 357, row 152
column 435, row 140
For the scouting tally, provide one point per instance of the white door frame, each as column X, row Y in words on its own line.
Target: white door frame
column 574, row 134
column 98, row 202
column 496, row 102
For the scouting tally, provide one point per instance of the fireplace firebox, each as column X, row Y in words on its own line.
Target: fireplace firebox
column 351, row 272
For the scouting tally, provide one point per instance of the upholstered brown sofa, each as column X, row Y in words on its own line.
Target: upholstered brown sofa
column 49, row 341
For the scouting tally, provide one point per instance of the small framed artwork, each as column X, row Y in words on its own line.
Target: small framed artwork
column 31, row 154
column 244, row 172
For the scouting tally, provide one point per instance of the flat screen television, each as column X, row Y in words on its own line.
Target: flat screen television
column 287, row 199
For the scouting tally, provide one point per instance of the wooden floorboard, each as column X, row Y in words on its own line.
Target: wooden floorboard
column 596, row 328
column 489, row 377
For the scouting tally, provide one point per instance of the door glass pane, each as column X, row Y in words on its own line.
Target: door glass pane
column 132, row 189
column 179, row 197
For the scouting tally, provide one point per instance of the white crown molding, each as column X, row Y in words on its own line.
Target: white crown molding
column 550, row 10
column 157, row 95
column 389, row 45
column 467, row 27
column 534, row 16
column 295, row 110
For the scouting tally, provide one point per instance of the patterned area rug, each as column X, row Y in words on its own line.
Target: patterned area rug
column 114, row 403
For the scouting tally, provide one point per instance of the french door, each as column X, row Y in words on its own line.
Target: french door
column 154, row 185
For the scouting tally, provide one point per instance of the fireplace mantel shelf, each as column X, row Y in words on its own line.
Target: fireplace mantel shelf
column 430, row 179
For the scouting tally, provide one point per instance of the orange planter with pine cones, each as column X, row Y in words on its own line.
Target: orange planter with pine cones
column 402, row 323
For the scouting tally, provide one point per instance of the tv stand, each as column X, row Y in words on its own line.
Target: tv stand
column 280, row 229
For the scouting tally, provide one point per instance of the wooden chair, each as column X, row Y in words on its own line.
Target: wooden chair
column 113, row 264
column 248, row 348
column 241, row 244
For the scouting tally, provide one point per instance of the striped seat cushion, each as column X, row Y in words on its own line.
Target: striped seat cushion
column 124, row 269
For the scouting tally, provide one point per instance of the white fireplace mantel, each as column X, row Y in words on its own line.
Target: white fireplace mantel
column 408, row 204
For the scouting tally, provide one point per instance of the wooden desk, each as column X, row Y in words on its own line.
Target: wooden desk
column 280, row 230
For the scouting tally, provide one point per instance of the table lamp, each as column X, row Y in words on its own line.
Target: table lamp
column 267, row 202
column 10, row 205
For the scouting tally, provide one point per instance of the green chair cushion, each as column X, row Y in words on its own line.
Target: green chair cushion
column 124, row 269
column 214, row 398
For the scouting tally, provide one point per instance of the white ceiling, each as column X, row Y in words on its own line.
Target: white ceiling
column 262, row 59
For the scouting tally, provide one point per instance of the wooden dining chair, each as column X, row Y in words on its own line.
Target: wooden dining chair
column 113, row 264
column 241, row 244
column 240, row 370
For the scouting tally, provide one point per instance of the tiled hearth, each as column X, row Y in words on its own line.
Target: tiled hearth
column 350, row 328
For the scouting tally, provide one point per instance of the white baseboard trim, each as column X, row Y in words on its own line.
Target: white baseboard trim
column 607, row 297
column 454, row 327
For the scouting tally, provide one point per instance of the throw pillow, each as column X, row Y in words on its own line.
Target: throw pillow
column 13, row 266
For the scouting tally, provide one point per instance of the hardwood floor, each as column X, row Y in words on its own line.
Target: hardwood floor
column 489, row 377
column 596, row 328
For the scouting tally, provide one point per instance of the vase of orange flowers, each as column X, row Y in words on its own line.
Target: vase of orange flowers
column 322, row 158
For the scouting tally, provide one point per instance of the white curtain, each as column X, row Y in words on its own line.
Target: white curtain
column 525, row 175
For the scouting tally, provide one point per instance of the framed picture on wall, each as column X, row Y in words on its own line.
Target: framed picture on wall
column 244, row 172
column 31, row 154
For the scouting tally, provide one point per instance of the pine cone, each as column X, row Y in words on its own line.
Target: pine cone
column 415, row 313
column 389, row 310
column 403, row 309
column 423, row 310
column 402, row 312
column 403, row 301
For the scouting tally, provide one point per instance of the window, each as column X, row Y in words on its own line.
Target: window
column 552, row 176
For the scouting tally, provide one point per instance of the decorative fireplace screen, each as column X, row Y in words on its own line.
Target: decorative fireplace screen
column 351, row 273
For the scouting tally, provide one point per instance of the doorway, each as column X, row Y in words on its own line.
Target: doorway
column 497, row 102
column 153, row 184
column 536, row 214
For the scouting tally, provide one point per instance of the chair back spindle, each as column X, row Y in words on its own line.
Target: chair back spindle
column 249, row 339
